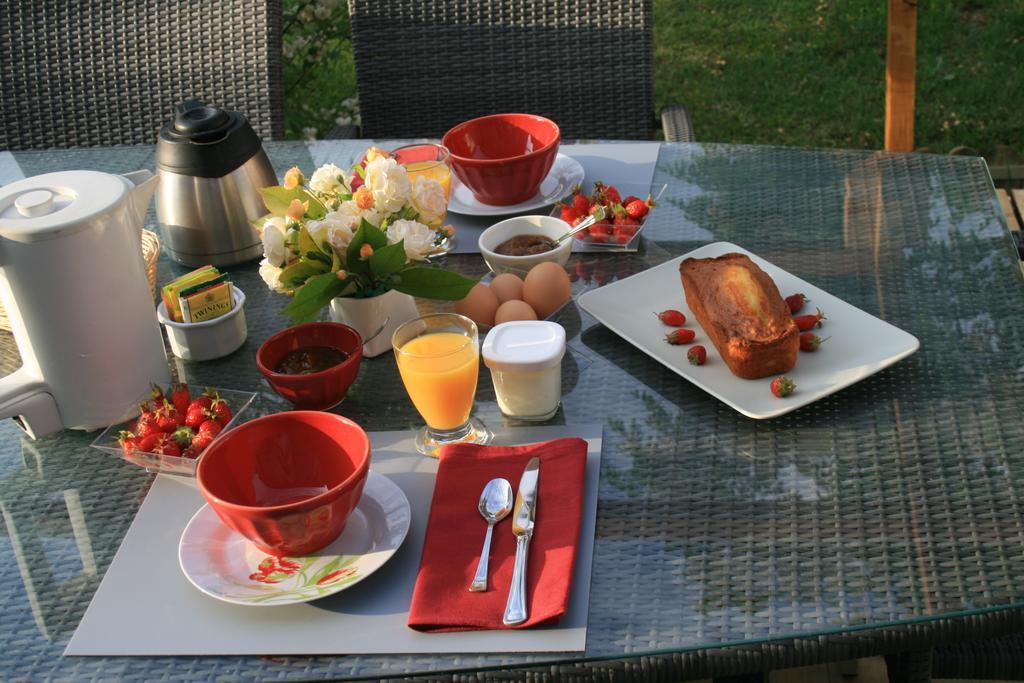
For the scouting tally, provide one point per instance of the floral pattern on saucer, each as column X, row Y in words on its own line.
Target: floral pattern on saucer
column 224, row 565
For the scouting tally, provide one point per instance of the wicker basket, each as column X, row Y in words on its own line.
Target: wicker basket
column 150, row 254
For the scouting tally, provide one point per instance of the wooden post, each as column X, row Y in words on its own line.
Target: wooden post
column 900, row 67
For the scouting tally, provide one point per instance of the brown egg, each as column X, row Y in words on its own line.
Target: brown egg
column 479, row 305
column 546, row 288
column 514, row 310
column 507, row 287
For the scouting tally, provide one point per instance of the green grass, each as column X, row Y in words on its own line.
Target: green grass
column 807, row 73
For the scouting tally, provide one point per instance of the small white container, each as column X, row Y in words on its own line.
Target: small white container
column 525, row 359
column 211, row 338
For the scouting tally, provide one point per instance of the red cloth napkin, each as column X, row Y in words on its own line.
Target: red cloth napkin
column 441, row 600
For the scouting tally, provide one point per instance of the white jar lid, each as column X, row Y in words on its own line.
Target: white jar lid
column 524, row 346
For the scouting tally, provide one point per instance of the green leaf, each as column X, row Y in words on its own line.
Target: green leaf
column 388, row 260
column 296, row 274
column 306, row 242
column 433, row 283
column 365, row 234
column 278, row 198
column 314, row 295
column 320, row 257
column 257, row 223
column 373, row 235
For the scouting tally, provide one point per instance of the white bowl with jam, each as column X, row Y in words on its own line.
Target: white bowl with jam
column 515, row 245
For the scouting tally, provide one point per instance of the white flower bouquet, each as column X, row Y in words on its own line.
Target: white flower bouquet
column 355, row 236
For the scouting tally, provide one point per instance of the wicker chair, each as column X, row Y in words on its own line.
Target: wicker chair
column 108, row 72
column 421, row 68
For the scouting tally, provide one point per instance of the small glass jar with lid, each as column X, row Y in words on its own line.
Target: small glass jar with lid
column 525, row 360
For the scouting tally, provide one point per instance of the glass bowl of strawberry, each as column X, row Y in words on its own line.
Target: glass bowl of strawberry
column 174, row 427
column 624, row 209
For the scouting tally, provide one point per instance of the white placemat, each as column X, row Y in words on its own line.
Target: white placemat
column 146, row 606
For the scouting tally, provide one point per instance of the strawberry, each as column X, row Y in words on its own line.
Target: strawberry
column 165, row 445
column 190, row 452
column 197, row 415
column 680, row 336
column 127, row 441
column 609, row 194
column 581, row 204
column 221, row 412
column 630, row 199
column 146, row 443
column 782, row 387
column 156, row 394
column 810, row 341
column 806, row 322
column 147, row 424
column 637, row 209
column 200, row 442
column 796, row 302
column 569, row 214
column 210, row 427
column 180, row 397
column 147, row 409
column 167, row 417
column 697, row 355
column 672, row 317
column 623, row 233
column 183, row 435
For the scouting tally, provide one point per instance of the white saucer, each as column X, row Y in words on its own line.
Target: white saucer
column 224, row 565
column 564, row 173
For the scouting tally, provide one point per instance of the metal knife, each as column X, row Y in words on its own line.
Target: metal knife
column 522, row 526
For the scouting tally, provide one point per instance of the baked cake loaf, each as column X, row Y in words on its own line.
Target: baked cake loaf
column 742, row 313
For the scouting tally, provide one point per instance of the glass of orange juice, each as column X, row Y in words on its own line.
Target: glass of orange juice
column 439, row 360
column 428, row 160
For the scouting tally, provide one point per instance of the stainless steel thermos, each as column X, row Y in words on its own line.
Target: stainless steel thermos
column 211, row 164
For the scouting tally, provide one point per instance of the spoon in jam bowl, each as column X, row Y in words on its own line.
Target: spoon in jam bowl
column 495, row 504
column 583, row 225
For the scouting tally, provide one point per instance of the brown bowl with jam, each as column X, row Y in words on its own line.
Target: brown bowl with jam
column 311, row 365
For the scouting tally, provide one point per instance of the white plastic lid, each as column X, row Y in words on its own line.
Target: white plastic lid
column 55, row 204
column 524, row 346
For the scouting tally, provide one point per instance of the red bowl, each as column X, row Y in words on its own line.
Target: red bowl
column 287, row 481
column 318, row 390
column 503, row 158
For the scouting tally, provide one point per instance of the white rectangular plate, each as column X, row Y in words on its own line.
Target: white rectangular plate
column 859, row 344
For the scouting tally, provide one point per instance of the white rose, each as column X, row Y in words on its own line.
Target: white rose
column 339, row 236
column 389, row 184
column 329, row 179
column 271, row 274
column 428, row 199
column 337, row 227
column 373, row 217
column 419, row 239
column 274, row 230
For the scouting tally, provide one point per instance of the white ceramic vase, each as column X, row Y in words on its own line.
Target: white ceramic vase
column 367, row 316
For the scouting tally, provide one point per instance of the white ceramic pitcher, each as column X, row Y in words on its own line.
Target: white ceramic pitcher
column 74, row 286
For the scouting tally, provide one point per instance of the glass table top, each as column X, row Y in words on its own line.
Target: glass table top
column 894, row 500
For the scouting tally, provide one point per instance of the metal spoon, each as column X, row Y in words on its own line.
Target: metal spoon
column 583, row 225
column 495, row 504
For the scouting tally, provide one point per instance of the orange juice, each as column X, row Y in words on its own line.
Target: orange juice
column 440, row 372
column 435, row 170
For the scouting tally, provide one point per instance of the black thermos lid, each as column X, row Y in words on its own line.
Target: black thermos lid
column 205, row 141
